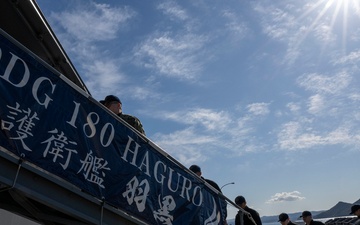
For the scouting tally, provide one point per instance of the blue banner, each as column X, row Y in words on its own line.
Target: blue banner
column 59, row 128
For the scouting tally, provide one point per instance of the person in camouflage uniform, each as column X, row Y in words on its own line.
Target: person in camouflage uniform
column 114, row 104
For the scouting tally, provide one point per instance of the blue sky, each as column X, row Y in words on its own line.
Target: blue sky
column 261, row 93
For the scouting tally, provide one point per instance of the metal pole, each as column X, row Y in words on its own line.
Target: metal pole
column 226, row 185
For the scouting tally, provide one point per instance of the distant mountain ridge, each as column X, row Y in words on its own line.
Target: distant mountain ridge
column 293, row 216
column 340, row 209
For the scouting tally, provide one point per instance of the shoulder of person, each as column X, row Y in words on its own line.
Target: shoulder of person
column 317, row 222
column 254, row 212
column 251, row 209
column 122, row 115
column 133, row 121
column 129, row 118
column 357, row 222
column 214, row 184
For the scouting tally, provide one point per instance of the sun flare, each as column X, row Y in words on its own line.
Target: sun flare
column 334, row 15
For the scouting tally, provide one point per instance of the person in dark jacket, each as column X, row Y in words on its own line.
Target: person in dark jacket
column 308, row 220
column 355, row 209
column 197, row 170
column 114, row 104
column 240, row 201
column 285, row 220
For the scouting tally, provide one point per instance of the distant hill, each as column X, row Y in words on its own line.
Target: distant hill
column 293, row 216
column 340, row 209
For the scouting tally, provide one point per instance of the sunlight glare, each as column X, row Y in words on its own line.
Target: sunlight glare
column 329, row 3
column 338, row 11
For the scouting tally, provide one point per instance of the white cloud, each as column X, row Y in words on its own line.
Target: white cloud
column 323, row 33
column 172, row 9
column 259, row 109
column 277, row 23
column 281, row 25
column 355, row 35
column 354, row 96
column 95, row 22
column 316, row 104
column 185, row 145
column 325, row 84
column 208, row 118
column 285, row 197
column 222, row 132
column 109, row 74
column 140, row 92
column 293, row 107
column 294, row 137
column 173, row 56
column 82, row 29
column 300, row 135
column 340, row 136
column 235, row 25
column 352, row 57
column 292, row 53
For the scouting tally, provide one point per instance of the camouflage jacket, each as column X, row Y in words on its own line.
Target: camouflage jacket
column 133, row 121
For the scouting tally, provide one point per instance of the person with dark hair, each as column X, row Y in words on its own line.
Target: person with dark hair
column 355, row 209
column 308, row 220
column 197, row 170
column 255, row 217
column 114, row 104
column 285, row 220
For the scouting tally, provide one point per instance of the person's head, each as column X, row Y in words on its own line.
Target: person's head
column 113, row 103
column 284, row 219
column 355, row 209
column 306, row 217
column 196, row 169
column 240, row 201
